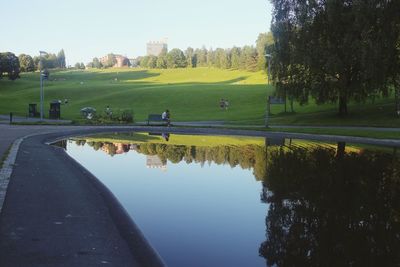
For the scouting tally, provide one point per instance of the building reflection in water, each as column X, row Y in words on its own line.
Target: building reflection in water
column 154, row 162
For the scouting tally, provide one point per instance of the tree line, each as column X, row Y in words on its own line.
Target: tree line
column 336, row 51
column 248, row 57
column 12, row 65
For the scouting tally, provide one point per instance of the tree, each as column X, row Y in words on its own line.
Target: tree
column 144, row 61
column 191, row 58
column 26, row 63
column 9, row 64
column 61, row 59
column 221, row 59
column 152, row 63
column 161, row 62
column 96, row 63
column 176, row 59
column 235, row 58
column 201, row 56
column 211, row 58
column 79, row 65
column 335, row 50
column 248, row 58
column 264, row 40
column 162, row 59
column 111, row 61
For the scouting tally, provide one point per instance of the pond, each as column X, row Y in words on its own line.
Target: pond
column 238, row 201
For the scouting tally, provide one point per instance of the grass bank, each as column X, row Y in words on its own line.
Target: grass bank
column 190, row 94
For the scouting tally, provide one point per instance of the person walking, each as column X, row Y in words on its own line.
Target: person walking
column 222, row 103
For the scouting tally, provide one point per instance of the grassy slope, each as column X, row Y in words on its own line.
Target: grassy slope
column 190, row 94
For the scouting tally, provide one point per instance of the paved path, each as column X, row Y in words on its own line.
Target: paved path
column 57, row 214
column 6, row 119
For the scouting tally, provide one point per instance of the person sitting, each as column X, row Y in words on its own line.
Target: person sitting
column 165, row 116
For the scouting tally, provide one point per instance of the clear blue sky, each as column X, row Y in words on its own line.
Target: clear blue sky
column 93, row 28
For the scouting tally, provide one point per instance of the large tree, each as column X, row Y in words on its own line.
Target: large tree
column 96, row 63
column 334, row 50
column 111, row 61
column 235, row 57
column 248, row 58
column 264, row 40
column 176, row 59
column 61, row 59
column 26, row 63
column 201, row 56
column 190, row 57
column 162, row 59
column 9, row 64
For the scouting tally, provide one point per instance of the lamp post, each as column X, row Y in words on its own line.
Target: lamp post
column 268, row 59
column 41, row 83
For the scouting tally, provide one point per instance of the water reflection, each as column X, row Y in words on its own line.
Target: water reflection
column 332, row 208
column 329, row 204
column 246, row 156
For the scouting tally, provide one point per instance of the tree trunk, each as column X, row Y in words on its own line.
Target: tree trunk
column 396, row 97
column 342, row 105
column 291, row 105
column 285, row 101
column 341, row 148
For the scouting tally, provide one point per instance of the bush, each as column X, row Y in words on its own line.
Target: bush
column 126, row 116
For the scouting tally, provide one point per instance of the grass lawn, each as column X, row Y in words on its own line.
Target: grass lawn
column 190, row 95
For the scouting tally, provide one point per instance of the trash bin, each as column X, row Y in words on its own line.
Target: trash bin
column 55, row 110
column 32, row 110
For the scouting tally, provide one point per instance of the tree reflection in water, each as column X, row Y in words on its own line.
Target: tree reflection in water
column 327, row 206
column 332, row 208
column 247, row 156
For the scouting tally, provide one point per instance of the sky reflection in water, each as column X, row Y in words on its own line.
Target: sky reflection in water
column 321, row 204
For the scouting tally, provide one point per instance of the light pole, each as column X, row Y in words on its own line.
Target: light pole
column 268, row 59
column 41, row 84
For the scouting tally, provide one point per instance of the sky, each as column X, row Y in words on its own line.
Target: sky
column 93, row 28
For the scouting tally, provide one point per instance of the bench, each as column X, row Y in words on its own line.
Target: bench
column 156, row 118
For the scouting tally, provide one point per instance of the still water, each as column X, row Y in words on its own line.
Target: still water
column 229, row 201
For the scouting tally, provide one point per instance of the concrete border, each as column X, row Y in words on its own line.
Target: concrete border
column 6, row 170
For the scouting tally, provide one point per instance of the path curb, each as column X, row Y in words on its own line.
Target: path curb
column 6, row 170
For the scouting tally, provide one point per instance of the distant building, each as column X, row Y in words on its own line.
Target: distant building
column 155, row 48
column 121, row 61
